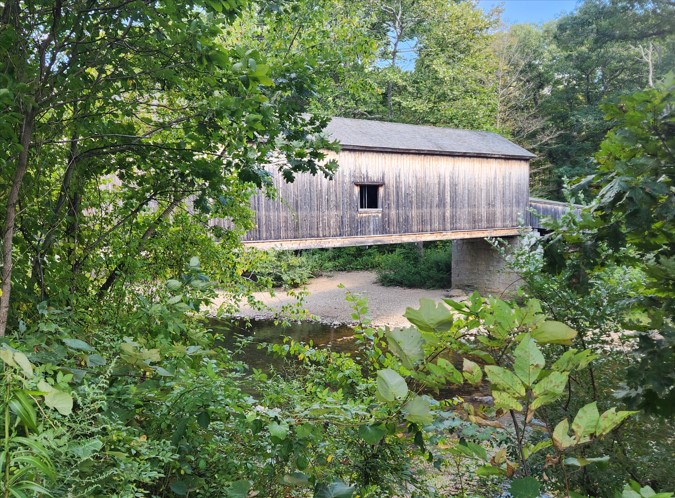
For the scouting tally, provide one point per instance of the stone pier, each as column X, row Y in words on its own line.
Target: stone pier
column 477, row 265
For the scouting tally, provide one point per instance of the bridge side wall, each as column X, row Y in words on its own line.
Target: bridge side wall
column 418, row 194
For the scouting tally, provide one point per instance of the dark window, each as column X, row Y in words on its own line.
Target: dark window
column 369, row 197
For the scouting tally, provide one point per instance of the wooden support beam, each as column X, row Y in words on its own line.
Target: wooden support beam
column 372, row 240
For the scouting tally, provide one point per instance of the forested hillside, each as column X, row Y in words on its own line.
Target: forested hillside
column 126, row 125
column 451, row 64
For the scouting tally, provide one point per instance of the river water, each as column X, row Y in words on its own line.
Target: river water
column 340, row 339
column 244, row 338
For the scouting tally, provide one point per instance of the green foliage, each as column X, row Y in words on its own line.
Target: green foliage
column 609, row 269
column 634, row 490
column 164, row 410
column 125, row 130
column 164, row 122
column 636, row 171
column 410, row 266
column 347, row 258
column 553, row 80
column 282, row 269
column 404, row 265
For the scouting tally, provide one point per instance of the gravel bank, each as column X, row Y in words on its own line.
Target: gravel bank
column 326, row 301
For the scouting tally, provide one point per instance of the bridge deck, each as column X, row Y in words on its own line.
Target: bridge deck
column 373, row 240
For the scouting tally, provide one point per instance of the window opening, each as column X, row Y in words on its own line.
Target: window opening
column 369, row 197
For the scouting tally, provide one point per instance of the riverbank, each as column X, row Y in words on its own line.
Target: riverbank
column 326, row 301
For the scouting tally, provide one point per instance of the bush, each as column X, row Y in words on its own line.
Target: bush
column 282, row 269
column 347, row 258
column 410, row 267
column 401, row 265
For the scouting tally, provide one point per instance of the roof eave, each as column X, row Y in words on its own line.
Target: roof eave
column 364, row 148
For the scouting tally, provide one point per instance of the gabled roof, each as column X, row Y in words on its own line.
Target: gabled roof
column 360, row 134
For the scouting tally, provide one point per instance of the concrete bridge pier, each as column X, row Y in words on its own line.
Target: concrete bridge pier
column 477, row 265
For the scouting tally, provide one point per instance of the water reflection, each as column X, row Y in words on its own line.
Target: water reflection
column 256, row 332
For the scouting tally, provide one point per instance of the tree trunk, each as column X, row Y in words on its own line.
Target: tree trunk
column 50, row 235
column 10, row 217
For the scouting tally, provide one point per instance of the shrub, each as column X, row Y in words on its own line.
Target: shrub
column 347, row 258
column 282, row 269
column 410, row 267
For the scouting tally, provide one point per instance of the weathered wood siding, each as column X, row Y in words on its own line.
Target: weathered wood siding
column 420, row 194
column 543, row 208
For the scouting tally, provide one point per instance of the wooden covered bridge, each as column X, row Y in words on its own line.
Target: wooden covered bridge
column 406, row 183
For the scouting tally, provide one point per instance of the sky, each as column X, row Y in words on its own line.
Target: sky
column 530, row 11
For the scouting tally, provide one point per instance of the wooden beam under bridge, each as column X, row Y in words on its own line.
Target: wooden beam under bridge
column 372, row 240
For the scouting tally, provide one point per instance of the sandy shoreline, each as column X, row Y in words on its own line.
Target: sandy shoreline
column 326, row 301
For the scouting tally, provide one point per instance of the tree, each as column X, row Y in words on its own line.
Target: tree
column 599, row 61
column 627, row 229
column 525, row 54
column 146, row 96
column 636, row 199
column 453, row 81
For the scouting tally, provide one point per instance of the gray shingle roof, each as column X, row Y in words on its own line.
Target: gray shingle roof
column 360, row 134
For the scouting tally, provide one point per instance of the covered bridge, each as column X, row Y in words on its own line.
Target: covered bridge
column 399, row 183
column 406, row 183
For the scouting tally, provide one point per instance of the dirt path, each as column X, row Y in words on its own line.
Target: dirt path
column 326, row 301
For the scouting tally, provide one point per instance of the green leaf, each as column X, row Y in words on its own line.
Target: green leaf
column 85, row 449
column 60, row 401
column 610, row 420
column 336, row 489
column 489, row 470
column 582, row 462
column 471, row 450
column 95, row 360
column 505, row 401
column 418, row 410
column 528, row 361
column 407, row 344
column 23, row 362
column 139, row 358
column 204, row 419
column 552, row 332
column 162, row 372
column 549, row 389
column 372, row 434
column 472, row 372
column 531, row 449
column 572, row 359
column 561, row 437
column 194, row 264
column 7, row 355
column 390, row 385
column 453, row 375
column 525, row 487
column 173, row 285
column 238, row 489
column 180, row 488
column 586, row 421
column 505, row 381
column 278, row 430
column 23, row 407
column 296, row 479
column 77, row 344
column 430, row 317
column 175, row 299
